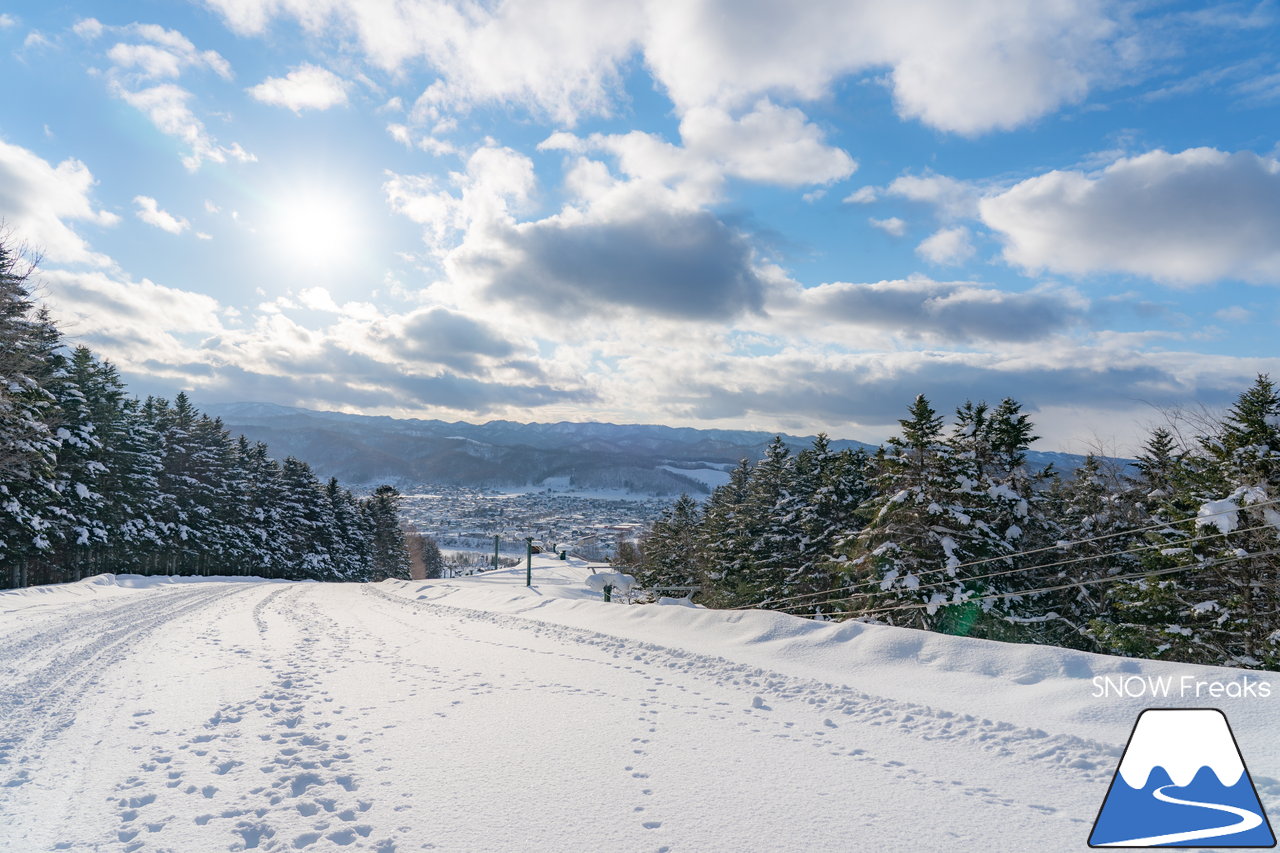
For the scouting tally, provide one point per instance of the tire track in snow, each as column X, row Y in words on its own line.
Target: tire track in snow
column 79, row 656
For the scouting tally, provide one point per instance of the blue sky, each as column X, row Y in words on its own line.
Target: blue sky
column 772, row 215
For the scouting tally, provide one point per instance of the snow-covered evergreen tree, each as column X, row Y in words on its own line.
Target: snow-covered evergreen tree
column 672, row 553
column 726, row 533
column 774, row 500
column 830, row 486
column 390, row 558
column 1237, row 582
column 908, row 558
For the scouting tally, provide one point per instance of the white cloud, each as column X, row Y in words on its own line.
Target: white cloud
column 862, row 195
column 1234, row 314
column 306, row 87
column 1198, row 216
column 151, row 61
column 158, row 54
column 892, row 226
column 88, row 28
column 769, row 144
column 959, row 67
column 404, row 135
column 151, row 54
column 952, row 198
column 139, row 325
column 318, row 299
column 7, row 21
column 37, row 200
column 948, row 246
column 150, row 213
column 496, row 181
column 166, row 106
column 400, row 133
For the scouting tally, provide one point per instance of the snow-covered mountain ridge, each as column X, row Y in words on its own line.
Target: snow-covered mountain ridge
column 642, row 457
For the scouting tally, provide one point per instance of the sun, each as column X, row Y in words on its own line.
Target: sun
column 315, row 230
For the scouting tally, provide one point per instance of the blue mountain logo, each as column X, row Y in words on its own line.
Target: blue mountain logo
column 1182, row 783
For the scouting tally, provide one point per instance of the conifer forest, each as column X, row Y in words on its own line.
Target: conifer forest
column 93, row 480
column 1174, row 555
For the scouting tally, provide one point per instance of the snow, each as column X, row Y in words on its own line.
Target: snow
column 620, row 583
column 709, row 477
column 1221, row 514
column 221, row 714
column 949, row 548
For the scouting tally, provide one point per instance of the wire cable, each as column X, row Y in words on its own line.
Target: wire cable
column 1002, row 595
column 1023, row 569
column 1061, row 546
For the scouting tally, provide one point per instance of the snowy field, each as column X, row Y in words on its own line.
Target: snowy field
column 477, row 715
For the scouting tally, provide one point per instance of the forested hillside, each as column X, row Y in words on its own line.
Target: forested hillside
column 950, row 529
column 93, row 480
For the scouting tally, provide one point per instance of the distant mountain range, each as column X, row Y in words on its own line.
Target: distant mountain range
column 646, row 459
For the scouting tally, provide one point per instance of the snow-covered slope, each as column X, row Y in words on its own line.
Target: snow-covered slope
column 477, row 714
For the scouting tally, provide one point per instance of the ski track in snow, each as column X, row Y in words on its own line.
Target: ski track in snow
column 280, row 717
column 74, row 658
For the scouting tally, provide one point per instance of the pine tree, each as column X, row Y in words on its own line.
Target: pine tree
column 1142, row 616
column 135, row 462
column 724, row 541
column 390, row 558
column 830, row 488
column 773, row 503
column 920, row 534
column 671, row 551
column 92, row 481
column 1238, row 582
column 1093, row 542
column 432, row 559
column 81, row 525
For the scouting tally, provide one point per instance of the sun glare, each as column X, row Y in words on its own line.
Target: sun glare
column 315, row 230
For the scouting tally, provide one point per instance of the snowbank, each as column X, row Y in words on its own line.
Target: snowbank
column 1028, row 685
column 109, row 585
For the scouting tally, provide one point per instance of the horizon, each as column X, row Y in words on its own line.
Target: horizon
column 221, row 406
column 640, row 215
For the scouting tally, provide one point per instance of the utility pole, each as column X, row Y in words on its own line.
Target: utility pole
column 528, row 566
column 495, row 550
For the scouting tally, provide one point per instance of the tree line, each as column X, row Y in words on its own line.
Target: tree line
column 1173, row 556
column 93, row 480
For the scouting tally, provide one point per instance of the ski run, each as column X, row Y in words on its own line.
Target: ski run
column 475, row 714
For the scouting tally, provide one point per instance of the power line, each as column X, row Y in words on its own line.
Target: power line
column 1056, row 547
column 1060, row 546
column 1022, row 569
column 1001, row 595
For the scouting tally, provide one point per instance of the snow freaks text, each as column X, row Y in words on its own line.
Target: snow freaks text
column 1184, row 687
